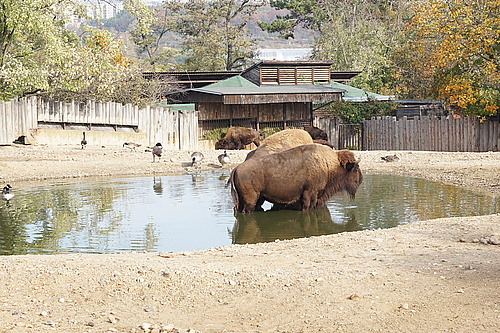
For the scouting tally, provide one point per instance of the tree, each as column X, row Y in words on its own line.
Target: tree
column 355, row 34
column 150, row 28
column 39, row 54
column 215, row 32
column 453, row 52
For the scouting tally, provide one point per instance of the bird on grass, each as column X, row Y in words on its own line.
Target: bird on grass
column 157, row 151
column 196, row 159
column 224, row 158
column 390, row 158
column 7, row 193
column 84, row 141
column 131, row 145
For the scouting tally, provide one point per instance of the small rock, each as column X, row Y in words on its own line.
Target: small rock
column 404, row 306
column 353, row 297
column 90, row 324
column 148, row 309
column 43, row 313
column 145, row 327
column 112, row 319
column 460, row 291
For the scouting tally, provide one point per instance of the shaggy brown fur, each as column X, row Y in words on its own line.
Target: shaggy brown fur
column 307, row 175
column 238, row 138
column 281, row 141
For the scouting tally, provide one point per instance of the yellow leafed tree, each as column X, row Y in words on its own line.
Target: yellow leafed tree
column 452, row 51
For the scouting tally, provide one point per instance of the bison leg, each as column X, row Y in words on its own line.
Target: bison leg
column 309, row 199
column 247, row 202
column 258, row 205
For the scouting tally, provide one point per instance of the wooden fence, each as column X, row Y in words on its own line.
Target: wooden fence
column 340, row 135
column 175, row 130
column 431, row 134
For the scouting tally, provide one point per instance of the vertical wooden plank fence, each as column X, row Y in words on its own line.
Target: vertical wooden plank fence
column 431, row 134
column 174, row 129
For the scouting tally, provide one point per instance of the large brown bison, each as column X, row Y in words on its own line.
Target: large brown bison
column 238, row 138
column 316, row 133
column 305, row 176
column 281, row 141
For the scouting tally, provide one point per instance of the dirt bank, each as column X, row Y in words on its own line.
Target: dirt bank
column 429, row 276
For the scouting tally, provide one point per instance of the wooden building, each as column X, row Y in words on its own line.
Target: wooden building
column 238, row 102
column 269, row 95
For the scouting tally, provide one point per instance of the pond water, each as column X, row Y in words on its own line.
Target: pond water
column 195, row 211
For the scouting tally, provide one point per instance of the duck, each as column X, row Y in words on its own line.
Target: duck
column 390, row 158
column 131, row 145
column 157, row 151
column 196, row 158
column 7, row 193
column 84, row 141
column 224, row 158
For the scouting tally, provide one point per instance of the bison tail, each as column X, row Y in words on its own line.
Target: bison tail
column 234, row 191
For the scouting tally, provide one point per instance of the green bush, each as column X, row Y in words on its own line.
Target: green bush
column 215, row 134
column 355, row 112
column 268, row 131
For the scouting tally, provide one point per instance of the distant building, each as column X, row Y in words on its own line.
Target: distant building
column 284, row 54
column 100, row 10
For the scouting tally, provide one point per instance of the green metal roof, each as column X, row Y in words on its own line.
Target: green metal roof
column 268, row 89
column 232, row 82
column 178, row 107
column 353, row 94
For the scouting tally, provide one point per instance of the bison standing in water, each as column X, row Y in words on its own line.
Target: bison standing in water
column 305, row 176
column 238, row 138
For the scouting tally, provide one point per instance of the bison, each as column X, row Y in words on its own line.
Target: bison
column 238, row 138
column 316, row 133
column 305, row 176
column 281, row 141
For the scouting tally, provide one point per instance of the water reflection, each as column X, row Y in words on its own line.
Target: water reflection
column 268, row 226
column 157, row 186
column 195, row 211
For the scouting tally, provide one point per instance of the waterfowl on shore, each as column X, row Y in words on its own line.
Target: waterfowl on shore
column 131, row 145
column 7, row 192
column 157, row 151
column 84, row 141
column 224, row 158
column 390, row 158
column 196, row 158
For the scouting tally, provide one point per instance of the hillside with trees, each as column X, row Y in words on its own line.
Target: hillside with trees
column 415, row 50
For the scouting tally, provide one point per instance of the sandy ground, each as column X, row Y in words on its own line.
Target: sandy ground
column 431, row 276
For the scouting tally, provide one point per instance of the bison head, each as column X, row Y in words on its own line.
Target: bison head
column 352, row 174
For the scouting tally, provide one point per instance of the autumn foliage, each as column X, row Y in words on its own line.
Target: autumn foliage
column 452, row 51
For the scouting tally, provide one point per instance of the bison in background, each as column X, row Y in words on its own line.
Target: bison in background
column 305, row 176
column 316, row 133
column 238, row 138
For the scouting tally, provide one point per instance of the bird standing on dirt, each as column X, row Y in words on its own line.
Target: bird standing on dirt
column 390, row 158
column 224, row 158
column 131, row 145
column 157, row 151
column 196, row 159
column 7, row 193
column 84, row 141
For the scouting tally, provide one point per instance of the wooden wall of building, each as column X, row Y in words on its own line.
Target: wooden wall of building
column 261, row 112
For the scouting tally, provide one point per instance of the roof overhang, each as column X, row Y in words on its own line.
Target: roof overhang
column 262, row 94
